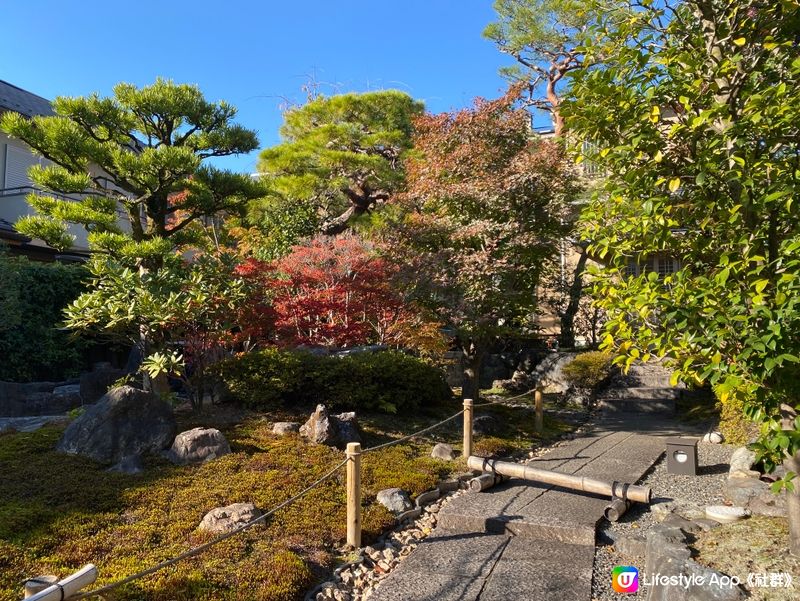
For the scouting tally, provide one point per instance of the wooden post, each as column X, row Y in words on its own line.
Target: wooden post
column 467, row 427
column 354, row 494
column 537, row 396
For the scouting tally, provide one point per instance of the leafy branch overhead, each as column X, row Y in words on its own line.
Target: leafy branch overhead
column 130, row 155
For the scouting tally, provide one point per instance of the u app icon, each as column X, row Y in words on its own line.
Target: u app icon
column 625, row 579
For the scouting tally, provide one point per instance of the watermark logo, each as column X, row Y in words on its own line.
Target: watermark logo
column 625, row 579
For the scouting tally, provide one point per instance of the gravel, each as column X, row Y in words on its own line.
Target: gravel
column 703, row 489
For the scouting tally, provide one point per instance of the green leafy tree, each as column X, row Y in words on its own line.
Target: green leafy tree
column 697, row 122
column 135, row 161
column 543, row 37
column 481, row 216
column 341, row 156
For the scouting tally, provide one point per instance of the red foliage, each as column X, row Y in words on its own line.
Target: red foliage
column 330, row 292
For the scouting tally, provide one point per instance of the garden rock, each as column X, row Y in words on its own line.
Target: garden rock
column 740, row 491
column 131, row 465
column 769, row 504
column 347, row 428
column 225, row 519
column 713, row 438
column 126, row 421
column 443, row 451
column 331, row 430
column 395, row 500
column 95, row 383
column 484, row 425
column 198, row 445
column 320, row 428
column 669, row 556
column 282, row 428
column 742, row 461
column 68, row 395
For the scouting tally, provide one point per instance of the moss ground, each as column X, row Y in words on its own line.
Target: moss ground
column 757, row 545
column 58, row 512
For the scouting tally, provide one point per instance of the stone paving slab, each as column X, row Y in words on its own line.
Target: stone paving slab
column 526, row 540
column 507, row 568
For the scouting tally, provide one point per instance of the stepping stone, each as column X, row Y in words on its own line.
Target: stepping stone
column 725, row 514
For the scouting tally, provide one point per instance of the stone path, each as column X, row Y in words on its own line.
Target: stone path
column 524, row 540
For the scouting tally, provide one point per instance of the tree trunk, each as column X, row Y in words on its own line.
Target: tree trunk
column 792, row 464
column 575, row 294
column 473, row 358
column 793, row 505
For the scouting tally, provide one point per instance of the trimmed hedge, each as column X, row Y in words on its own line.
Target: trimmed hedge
column 32, row 299
column 389, row 381
column 588, row 370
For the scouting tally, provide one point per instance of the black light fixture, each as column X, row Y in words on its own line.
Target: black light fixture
column 682, row 456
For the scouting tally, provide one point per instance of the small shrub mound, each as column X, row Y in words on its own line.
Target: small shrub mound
column 588, row 370
column 388, row 381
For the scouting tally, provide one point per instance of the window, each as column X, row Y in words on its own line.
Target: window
column 18, row 161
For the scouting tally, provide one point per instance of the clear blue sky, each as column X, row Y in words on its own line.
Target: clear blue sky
column 252, row 53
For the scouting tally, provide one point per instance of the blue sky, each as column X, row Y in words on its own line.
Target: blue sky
column 253, row 53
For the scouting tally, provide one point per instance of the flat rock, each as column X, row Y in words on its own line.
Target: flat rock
column 443, row 451
column 740, row 491
column 126, row 421
column 395, row 500
column 230, row 517
column 198, row 445
column 282, row 428
column 725, row 514
column 769, row 504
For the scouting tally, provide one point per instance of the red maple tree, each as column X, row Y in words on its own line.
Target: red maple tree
column 332, row 292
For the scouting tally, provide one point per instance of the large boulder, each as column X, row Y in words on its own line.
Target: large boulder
column 94, row 384
column 225, row 519
column 549, row 373
column 331, row 430
column 198, row 445
column 126, row 421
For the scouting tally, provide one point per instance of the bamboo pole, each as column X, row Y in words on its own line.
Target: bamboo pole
column 616, row 509
column 354, row 494
column 485, row 482
column 71, row 585
column 467, row 427
column 633, row 492
column 537, row 396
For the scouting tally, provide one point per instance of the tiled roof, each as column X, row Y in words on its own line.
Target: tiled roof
column 21, row 101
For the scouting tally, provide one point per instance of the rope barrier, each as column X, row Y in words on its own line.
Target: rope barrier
column 200, row 548
column 503, row 401
column 414, row 435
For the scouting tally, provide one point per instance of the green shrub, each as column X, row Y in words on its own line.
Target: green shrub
column 389, row 381
column 588, row 370
column 32, row 298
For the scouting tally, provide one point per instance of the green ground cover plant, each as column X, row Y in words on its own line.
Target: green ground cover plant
column 60, row 512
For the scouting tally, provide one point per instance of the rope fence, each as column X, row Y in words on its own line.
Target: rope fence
column 69, row 588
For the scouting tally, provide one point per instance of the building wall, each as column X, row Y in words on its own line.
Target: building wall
column 15, row 157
